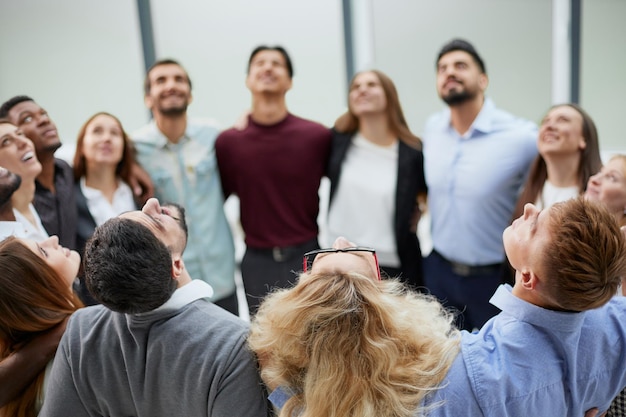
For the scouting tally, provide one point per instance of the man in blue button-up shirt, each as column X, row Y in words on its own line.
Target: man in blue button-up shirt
column 557, row 348
column 475, row 160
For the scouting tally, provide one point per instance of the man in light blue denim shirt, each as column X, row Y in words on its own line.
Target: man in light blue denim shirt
column 179, row 156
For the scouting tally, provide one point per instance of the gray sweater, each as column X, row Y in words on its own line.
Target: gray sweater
column 186, row 358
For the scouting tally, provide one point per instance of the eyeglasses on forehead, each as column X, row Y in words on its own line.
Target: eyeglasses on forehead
column 309, row 257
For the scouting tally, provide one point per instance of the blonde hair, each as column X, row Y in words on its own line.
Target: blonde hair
column 351, row 346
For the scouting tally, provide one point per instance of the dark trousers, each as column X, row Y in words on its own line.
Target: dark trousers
column 467, row 293
column 389, row 272
column 265, row 269
column 229, row 303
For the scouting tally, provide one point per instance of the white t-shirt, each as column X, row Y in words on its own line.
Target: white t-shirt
column 551, row 194
column 363, row 206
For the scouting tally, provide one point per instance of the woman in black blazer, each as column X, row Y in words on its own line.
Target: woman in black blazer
column 377, row 177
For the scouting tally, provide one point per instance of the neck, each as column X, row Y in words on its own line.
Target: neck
column 534, row 293
column 46, row 176
column 268, row 109
column 375, row 128
column 563, row 169
column 23, row 196
column 530, row 296
column 463, row 115
column 184, row 279
column 6, row 212
column 173, row 127
column 102, row 178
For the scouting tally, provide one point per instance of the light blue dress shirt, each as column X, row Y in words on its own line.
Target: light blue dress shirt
column 474, row 181
column 186, row 173
column 529, row 361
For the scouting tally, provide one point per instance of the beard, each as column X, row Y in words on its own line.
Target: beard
column 51, row 148
column 173, row 111
column 455, row 98
column 8, row 187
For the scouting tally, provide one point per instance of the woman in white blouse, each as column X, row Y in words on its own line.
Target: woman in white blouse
column 17, row 154
column 102, row 164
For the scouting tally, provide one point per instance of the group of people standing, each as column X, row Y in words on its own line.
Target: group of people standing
column 468, row 169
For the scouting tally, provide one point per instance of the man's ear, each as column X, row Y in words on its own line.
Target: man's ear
column 147, row 100
column 177, row 267
column 483, row 81
column 529, row 280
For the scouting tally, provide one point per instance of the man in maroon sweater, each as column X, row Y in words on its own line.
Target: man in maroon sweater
column 274, row 166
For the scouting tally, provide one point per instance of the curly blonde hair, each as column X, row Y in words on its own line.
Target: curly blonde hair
column 351, row 346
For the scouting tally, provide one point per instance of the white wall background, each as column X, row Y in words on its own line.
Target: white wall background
column 77, row 57
column 513, row 37
column 603, row 70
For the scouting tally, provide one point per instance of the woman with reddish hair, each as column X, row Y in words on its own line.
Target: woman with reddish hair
column 35, row 296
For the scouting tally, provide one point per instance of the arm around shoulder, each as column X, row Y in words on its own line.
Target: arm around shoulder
column 18, row 370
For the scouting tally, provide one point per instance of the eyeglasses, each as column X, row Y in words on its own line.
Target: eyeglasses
column 309, row 257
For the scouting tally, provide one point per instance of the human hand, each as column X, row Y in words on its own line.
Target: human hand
column 242, row 121
column 594, row 413
column 141, row 184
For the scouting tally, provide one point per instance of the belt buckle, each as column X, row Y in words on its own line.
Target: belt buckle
column 462, row 269
column 278, row 255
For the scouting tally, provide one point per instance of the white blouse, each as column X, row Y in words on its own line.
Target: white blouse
column 100, row 208
column 35, row 231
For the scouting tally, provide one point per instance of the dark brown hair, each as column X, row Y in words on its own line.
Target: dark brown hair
column 590, row 163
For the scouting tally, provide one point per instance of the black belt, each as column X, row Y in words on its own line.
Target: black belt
column 465, row 270
column 281, row 254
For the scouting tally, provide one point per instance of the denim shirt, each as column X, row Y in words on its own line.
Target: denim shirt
column 186, row 173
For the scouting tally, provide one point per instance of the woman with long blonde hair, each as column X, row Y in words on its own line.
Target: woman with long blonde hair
column 35, row 296
column 344, row 343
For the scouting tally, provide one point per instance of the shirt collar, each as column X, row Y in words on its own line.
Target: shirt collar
column 184, row 295
column 533, row 314
column 484, row 119
column 11, row 228
column 161, row 141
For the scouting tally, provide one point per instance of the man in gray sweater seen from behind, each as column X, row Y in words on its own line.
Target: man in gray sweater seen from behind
column 156, row 346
